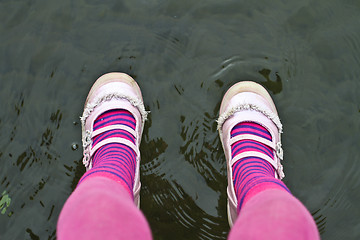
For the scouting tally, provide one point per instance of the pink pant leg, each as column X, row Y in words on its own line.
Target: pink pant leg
column 101, row 208
column 274, row 214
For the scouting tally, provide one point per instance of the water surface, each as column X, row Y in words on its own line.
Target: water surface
column 184, row 55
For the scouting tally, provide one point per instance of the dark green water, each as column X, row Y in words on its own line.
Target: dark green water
column 184, row 55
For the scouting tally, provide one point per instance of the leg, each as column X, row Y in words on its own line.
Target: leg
column 274, row 214
column 100, row 208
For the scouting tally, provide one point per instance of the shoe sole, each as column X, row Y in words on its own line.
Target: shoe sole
column 114, row 77
column 246, row 86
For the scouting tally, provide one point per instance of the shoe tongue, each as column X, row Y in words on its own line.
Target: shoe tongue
column 114, row 88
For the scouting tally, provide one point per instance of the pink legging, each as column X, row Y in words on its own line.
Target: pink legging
column 101, row 208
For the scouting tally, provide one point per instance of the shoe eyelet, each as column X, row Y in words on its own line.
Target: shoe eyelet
column 279, row 151
column 87, row 139
column 86, row 159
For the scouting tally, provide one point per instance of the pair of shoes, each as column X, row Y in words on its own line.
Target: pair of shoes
column 243, row 102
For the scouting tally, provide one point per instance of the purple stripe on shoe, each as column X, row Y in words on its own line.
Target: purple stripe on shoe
column 105, row 123
column 113, row 151
column 248, row 164
column 252, row 171
column 251, row 129
column 121, row 118
column 114, row 160
column 251, row 145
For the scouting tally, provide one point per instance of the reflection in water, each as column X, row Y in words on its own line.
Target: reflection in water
column 276, row 86
column 151, row 150
column 240, row 69
column 320, row 220
column 25, row 158
column 202, row 148
column 20, row 104
column 38, row 188
column 76, row 172
column 165, row 203
column 32, row 235
column 5, row 202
